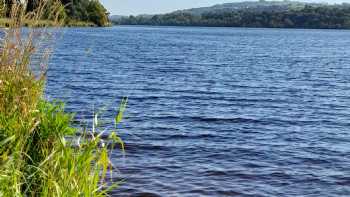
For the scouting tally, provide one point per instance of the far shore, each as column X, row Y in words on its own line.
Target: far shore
column 213, row 26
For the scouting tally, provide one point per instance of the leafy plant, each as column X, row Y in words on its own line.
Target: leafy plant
column 40, row 152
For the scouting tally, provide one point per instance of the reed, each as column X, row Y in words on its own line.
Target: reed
column 40, row 154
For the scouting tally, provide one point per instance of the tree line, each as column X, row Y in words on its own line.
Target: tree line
column 74, row 10
column 325, row 17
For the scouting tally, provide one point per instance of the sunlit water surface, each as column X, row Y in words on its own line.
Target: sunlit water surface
column 216, row 111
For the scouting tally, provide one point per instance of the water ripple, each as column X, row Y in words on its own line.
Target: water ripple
column 215, row 111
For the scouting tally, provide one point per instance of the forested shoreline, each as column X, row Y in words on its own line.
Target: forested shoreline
column 318, row 17
column 75, row 12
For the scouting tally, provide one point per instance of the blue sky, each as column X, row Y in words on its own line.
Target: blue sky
column 128, row 7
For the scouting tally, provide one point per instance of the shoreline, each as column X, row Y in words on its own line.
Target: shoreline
column 193, row 26
column 5, row 22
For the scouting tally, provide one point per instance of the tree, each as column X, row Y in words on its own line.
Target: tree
column 308, row 17
column 78, row 10
column 97, row 13
column 32, row 4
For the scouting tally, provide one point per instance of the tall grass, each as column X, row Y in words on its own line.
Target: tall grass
column 37, row 154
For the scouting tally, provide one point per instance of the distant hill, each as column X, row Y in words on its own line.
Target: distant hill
column 261, row 5
column 270, row 14
column 116, row 17
column 249, row 5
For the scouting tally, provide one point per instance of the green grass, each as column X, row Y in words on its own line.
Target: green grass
column 5, row 22
column 74, row 23
column 40, row 152
column 38, row 160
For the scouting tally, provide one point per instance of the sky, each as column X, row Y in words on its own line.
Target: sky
column 135, row 7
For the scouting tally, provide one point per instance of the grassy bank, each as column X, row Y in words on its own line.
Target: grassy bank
column 6, row 22
column 40, row 153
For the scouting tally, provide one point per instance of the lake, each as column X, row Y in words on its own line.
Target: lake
column 215, row 111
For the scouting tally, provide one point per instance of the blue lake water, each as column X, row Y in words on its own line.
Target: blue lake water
column 216, row 111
